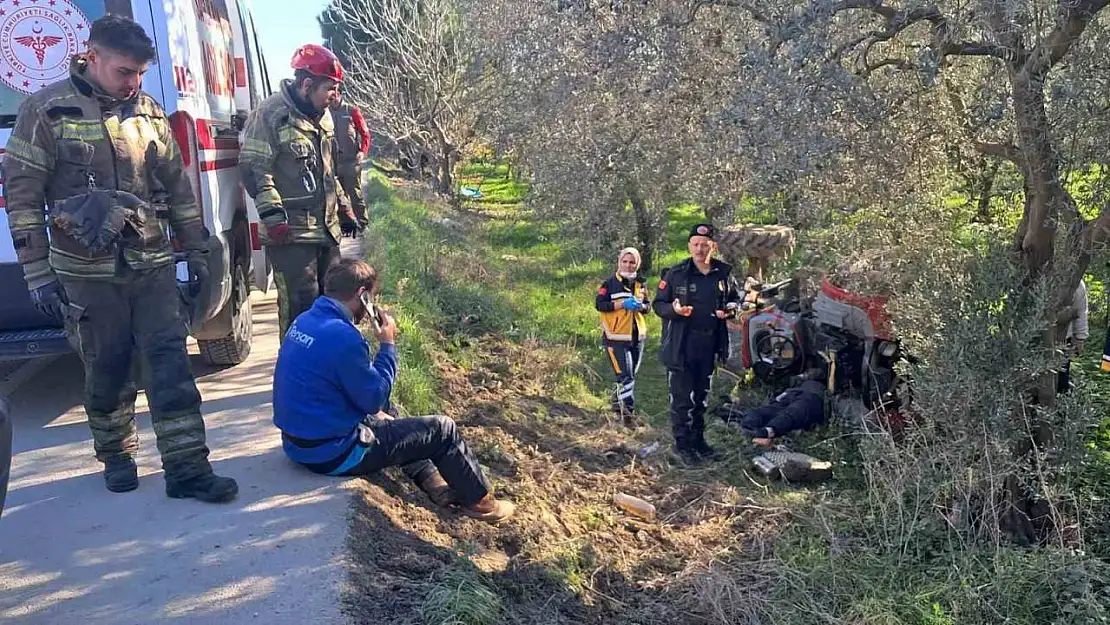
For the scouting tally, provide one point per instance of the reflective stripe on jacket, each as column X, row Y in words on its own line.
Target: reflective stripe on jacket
column 617, row 324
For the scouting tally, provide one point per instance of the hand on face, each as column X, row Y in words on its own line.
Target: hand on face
column 701, row 249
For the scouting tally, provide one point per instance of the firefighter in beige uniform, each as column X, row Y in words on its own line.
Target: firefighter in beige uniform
column 100, row 154
column 288, row 162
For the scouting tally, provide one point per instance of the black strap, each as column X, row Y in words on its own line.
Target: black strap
column 306, row 443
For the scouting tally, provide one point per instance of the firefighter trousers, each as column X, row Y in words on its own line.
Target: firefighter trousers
column 140, row 313
column 299, row 270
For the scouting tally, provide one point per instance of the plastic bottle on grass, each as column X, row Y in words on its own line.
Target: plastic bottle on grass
column 634, row 506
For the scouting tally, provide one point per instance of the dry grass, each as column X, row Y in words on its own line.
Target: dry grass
column 570, row 555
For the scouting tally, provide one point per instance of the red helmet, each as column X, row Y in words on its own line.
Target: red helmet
column 318, row 61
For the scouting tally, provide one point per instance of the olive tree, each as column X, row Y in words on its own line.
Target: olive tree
column 410, row 70
column 1015, row 81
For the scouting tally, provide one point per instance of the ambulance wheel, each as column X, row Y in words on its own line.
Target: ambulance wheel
column 234, row 348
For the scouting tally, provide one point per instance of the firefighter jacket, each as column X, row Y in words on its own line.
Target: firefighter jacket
column 352, row 139
column 706, row 293
column 288, row 163
column 617, row 324
column 71, row 138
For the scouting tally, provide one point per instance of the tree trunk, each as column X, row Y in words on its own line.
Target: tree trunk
column 1024, row 514
column 719, row 214
column 446, row 184
column 645, row 231
column 984, row 190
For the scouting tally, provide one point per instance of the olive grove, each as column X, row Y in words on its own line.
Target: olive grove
column 949, row 154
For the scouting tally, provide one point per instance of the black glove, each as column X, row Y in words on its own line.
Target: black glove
column 198, row 271
column 50, row 300
column 350, row 228
column 99, row 218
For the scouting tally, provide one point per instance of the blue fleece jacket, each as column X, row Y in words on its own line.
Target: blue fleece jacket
column 325, row 383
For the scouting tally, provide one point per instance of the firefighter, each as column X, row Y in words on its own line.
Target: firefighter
column 693, row 300
column 100, row 154
column 352, row 138
column 622, row 301
column 288, row 162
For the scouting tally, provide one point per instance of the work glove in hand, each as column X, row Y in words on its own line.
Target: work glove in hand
column 50, row 300
column 630, row 303
column 350, row 228
column 98, row 219
column 348, row 224
column 198, row 271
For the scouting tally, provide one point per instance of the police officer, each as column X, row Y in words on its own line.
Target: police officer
column 693, row 300
column 289, row 167
column 100, row 154
column 352, row 138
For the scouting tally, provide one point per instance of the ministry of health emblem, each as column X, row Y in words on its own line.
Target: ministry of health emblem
column 37, row 40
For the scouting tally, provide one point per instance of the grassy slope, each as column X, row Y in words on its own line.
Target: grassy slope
column 499, row 332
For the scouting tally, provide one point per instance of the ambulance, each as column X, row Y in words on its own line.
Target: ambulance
column 209, row 74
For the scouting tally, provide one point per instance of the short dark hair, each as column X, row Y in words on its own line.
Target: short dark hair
column 300, row 75
column 122, row 35
column 346, row 277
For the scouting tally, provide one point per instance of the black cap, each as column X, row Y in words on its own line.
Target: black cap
column 702, row 230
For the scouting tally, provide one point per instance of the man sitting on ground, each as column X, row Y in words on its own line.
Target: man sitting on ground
column 330, row 402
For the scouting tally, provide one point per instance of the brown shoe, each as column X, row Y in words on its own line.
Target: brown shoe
column 490, row 510
column 436, row 488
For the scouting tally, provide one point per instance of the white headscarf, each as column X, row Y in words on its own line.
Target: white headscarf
column 635, row 254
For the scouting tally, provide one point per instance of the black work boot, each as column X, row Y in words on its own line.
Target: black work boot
column 687, row 453
column 705, row 451
column 121, row 475
column 207, row 487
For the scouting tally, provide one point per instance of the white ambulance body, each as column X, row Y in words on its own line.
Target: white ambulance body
column 209, row 73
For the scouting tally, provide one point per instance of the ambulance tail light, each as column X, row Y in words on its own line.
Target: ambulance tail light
column 184, row 130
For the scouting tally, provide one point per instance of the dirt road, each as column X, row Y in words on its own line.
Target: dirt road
column 70, row 551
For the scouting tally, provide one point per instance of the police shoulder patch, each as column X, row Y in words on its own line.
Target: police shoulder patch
column 662, row 284
column 603, row 290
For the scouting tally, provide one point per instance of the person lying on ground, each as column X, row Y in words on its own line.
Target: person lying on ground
column 798, row 408
column 622, row 301
column 331, row 402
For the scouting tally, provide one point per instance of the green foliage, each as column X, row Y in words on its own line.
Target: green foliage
column 883, row 546
column 843, row 568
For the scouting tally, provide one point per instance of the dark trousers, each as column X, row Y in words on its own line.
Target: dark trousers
column 689, row 389
column 421, row 445
column 112, row 318
column 299, row 270
column 625, row 359
column 5, row 449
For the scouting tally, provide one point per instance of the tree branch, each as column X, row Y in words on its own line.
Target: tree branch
column 1074, row 17
column 1005, row 151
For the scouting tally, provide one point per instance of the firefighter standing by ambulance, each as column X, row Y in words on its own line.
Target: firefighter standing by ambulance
column 352, row 137
column 622, row 301
column 289, row 166
column 100, row 154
